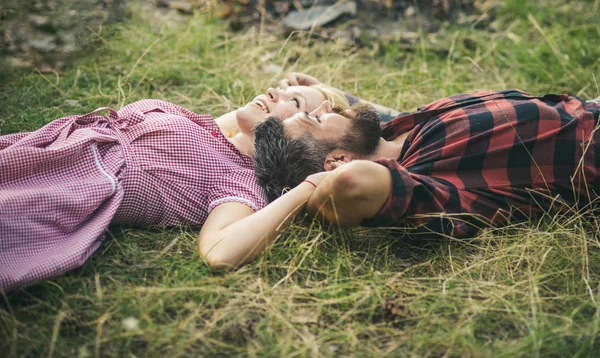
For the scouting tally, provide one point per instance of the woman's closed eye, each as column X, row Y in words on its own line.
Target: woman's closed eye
column 296, row 102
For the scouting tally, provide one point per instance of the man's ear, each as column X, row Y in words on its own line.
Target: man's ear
column 336, row 158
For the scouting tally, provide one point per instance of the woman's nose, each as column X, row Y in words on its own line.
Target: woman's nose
column 272, row 94
column 325, row 107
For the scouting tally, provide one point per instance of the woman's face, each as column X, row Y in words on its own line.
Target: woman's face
column 280, row 103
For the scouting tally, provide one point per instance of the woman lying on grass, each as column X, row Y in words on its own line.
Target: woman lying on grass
column 152, row 163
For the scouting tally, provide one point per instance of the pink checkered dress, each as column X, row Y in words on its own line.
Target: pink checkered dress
column 150, row 163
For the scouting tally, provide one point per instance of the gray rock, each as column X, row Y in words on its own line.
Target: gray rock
column 181, row 5
column 308, row 3
column 72, row 102
column 39, row 21
column 67, row 41
column 44, row 43
column 318, row 15
column 272, row 69
column 18, row 62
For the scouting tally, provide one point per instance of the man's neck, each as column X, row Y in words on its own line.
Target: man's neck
column 387, row 149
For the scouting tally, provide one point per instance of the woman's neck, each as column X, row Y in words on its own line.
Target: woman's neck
column 243, row 142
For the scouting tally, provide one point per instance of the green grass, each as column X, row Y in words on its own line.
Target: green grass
column 528, row 289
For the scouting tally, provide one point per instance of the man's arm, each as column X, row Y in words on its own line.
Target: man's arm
column 352, row 193
column 386, row 114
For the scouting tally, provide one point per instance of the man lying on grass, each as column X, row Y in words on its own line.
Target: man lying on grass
column 452, row 167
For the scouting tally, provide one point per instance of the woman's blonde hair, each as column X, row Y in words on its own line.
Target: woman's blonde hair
column 333, row 95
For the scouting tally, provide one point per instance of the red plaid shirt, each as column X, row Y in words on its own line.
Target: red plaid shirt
column 479, row 159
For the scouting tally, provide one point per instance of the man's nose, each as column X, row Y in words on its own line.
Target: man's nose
column 272, row 94
column 325, row 107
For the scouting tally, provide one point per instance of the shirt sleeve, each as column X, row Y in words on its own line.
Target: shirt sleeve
column 426, row 203
column 239, row 186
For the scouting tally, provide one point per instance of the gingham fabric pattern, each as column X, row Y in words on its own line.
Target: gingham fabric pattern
column 481, row 159
column 150, row 163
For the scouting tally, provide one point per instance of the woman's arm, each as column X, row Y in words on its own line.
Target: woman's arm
column 234, row 235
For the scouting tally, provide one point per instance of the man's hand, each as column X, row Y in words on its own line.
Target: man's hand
column 298, row 79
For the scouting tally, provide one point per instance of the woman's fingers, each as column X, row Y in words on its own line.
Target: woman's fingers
column 301, row 79
column 283, row 84
column 298, row 79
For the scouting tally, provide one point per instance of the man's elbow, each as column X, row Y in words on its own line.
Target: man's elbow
column 338, row 200
column 352, row 181
column 358, row 192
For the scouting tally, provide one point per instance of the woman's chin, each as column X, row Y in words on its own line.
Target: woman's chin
column 246, row 120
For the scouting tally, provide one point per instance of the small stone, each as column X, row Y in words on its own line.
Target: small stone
column 267, row 56
column 17, row 62
column 44, row 43
column 59, row 65
column 45, row 68
column 318, row 15
column 272, row 69
column 409, row 35
column 39, row 21
column 281, row 7
column 238, row 84
column 84, row 352
column 225, row 10
column 333, row 348
column 72, row 102
column 119, row 70
column 68, row 41
column 131, row 323
column 308, row 3
column 180, row 5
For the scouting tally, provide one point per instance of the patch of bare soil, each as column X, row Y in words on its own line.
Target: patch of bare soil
column 46, row 34
column 372, row 20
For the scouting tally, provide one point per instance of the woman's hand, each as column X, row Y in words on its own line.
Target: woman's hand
column 234, row 235
column 298, row 79
column 317, row 178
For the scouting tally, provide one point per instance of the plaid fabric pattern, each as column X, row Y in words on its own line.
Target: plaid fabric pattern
column 150, row 163
column 480, row 159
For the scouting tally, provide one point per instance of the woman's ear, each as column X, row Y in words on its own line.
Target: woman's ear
column 337, row 158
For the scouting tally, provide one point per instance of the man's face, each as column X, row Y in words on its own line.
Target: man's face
column 280, row 103
column 322, row 124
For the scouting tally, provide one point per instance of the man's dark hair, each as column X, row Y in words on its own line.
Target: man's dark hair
column 364, row 133
column 281, row 162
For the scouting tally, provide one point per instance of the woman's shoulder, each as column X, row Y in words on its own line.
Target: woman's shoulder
column 157, row 105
